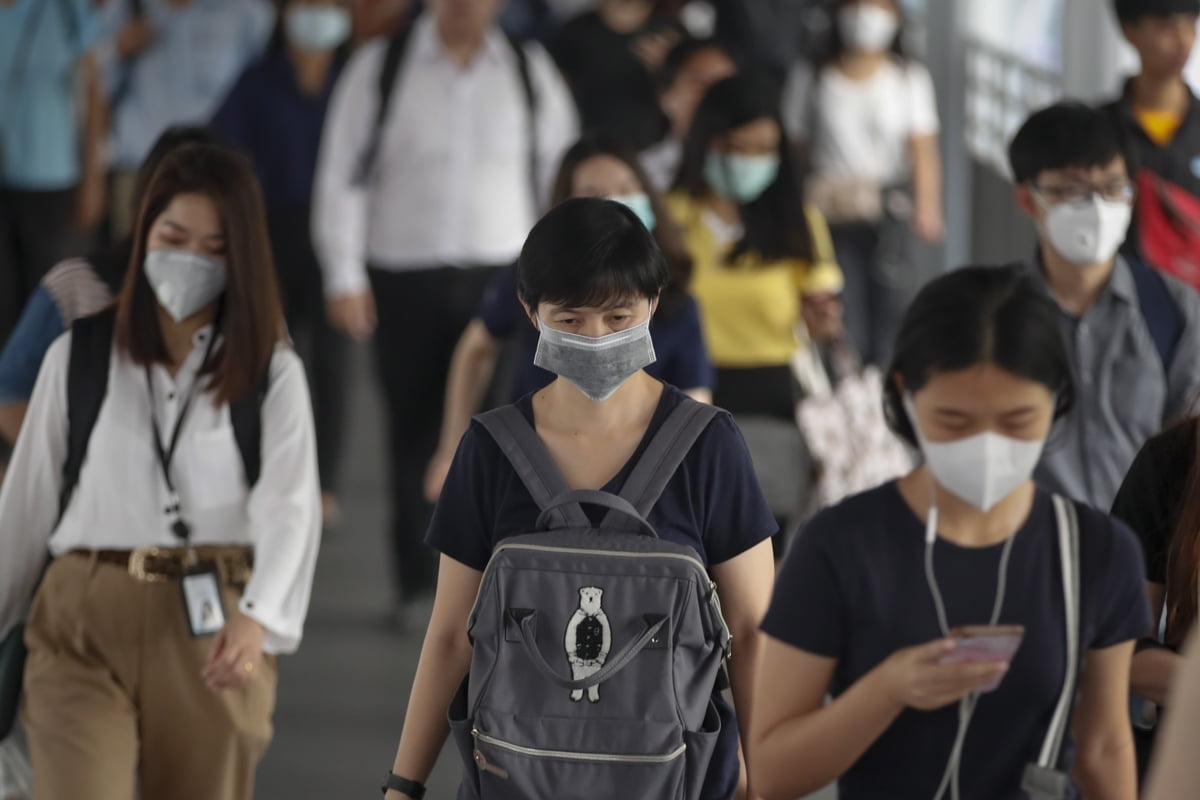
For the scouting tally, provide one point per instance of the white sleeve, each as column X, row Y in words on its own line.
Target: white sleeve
column 284, row 509
column 29, row 496
column 339, row 214
column 922, row 101
column 797, row 102
column 557, row 123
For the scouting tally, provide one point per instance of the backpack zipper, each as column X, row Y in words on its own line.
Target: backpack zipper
column 604, row 758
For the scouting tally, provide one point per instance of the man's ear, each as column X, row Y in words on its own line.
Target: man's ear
column 1023, row 195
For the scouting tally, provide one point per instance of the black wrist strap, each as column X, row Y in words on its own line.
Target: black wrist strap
column 403, row 785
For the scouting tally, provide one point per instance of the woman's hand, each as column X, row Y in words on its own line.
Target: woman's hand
column 914, row 678
column 237, row 653
column 353, row 314
column 929, row 225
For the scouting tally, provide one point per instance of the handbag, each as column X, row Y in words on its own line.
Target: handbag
column 12, row 671
column 1167, row 230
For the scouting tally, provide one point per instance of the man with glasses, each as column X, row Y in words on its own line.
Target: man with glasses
column 1133, row 333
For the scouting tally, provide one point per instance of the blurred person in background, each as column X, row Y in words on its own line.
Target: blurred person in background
column 1159, row 112
column 1160, row 501
column 1176, row 772
column 132, row 687
column 866, row 121
column 170, row 62
column 596, row 166
column 1133, row 333
column 275, row 115
column 853, row 448
column 687, row 72
column 78, row 287
column 608, row 56
column 51, row 142
column 754, row 243
column 422, row 193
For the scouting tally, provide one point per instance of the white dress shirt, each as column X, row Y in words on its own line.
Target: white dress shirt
column 121, row 500
column 452, row 181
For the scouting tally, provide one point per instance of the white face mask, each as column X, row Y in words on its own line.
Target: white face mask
column 184, row 282
column 982, row 469
column 1089, row 232
column 867, row 28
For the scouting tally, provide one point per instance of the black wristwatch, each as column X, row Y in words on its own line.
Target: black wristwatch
column 395, row 783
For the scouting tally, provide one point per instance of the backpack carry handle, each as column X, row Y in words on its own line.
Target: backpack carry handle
column 595, row 498
column 611, row 667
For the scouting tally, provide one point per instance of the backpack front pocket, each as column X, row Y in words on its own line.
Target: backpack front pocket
column 510, row 771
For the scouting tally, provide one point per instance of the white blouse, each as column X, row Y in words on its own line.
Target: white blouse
column 861, row 129
column 121, row 500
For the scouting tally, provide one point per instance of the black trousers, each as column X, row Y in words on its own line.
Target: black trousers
column 323, row 350
column 882, row 278
column 422, row 314
column 35, row 234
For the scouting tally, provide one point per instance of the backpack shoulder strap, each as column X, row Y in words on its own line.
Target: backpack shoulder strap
column 531, row 104
column 1162, row 314
column 665, row 453
column 246, row 417
column 520, row 444
column 386, row 84
column 87, row 384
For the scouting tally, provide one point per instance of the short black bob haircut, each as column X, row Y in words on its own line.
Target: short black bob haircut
column 1069, row 135
column 1137, row 10
column 979, row 315
column 588, row 252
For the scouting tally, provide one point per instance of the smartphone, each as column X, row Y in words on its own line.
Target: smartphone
column 976, row 644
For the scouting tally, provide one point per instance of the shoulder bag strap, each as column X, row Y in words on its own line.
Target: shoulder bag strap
column 1068, row 542
column 386, row 85
column 531, row 104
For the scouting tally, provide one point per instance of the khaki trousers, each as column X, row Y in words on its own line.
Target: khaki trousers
column 115, row 708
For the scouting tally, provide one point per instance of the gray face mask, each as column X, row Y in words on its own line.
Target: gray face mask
column 596, row 366
column 184, row 282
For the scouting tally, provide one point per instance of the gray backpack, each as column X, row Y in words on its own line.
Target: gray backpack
column 597, row 648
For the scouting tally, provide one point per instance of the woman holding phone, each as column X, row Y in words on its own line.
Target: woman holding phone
column 871, row 601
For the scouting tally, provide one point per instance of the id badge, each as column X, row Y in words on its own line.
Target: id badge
column 202, row 600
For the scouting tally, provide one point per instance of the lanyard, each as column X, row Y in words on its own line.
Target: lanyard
column 166, row 453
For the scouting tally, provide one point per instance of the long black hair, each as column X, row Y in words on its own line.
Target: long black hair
column 979, row 315
column 775, row 223
column 836, row 46
column 666, row 232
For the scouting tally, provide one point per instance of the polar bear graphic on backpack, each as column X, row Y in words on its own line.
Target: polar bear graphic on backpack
column 588, row 640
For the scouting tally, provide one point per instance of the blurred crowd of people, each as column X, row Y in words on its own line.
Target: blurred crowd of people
column 397, row 155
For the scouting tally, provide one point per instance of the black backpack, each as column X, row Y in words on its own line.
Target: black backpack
column 387, row 83
column 87, row 384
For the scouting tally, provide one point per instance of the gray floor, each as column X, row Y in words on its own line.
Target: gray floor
column 342, row 696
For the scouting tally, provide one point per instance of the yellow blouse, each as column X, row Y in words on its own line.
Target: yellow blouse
column 749, row 309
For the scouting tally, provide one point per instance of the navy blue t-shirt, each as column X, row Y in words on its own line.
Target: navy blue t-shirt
column 682, row 359
column 713, row 504
column 853, row 588
column 272, row 120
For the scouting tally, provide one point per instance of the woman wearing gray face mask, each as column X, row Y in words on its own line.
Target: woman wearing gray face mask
column 589, row 278
column 187, row 536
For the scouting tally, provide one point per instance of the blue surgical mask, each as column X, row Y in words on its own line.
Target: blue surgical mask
column 740, row 177
column 318, row 27
column 639, row 203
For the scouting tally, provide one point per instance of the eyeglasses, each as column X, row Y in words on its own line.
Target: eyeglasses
column 1117, row 191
